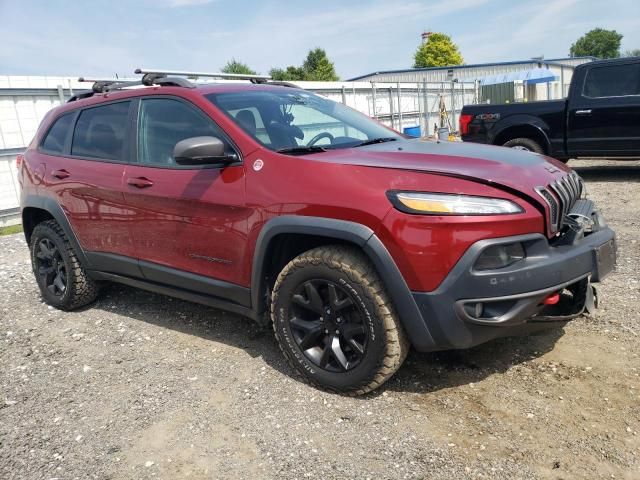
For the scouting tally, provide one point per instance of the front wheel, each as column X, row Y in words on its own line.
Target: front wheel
column 335, row 322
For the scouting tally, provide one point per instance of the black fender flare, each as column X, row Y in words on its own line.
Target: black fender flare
column 361, row 236
column 521, row 120
column 55, row 210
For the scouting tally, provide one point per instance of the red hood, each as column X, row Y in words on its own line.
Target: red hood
column 515, row 169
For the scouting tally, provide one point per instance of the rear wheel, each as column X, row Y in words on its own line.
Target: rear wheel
column 335, row 323
column 524, row 144
column 63, row 282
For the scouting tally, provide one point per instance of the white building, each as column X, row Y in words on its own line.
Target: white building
column 530, row 80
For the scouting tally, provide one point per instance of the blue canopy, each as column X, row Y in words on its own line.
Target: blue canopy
column 535, row 75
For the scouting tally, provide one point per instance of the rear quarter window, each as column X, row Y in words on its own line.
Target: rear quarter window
column 56, row 137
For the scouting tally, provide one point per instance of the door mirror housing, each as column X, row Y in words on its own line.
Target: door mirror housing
column 202, row 151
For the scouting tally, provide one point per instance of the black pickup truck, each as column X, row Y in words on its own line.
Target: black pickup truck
column 600, row 117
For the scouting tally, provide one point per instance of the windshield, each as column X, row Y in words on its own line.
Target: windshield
column 297, row 121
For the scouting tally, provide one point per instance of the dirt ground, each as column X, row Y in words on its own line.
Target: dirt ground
column 144, row 386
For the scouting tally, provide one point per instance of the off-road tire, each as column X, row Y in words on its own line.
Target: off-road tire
column 80, row 288
column 387, row 345
column 524, row 143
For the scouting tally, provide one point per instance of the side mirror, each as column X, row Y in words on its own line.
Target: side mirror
column 201, row 151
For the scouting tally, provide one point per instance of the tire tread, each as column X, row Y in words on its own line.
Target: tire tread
column 84, row 289
column 357, row 267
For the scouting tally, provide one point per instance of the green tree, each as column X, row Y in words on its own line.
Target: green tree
column 632, row 53
column 437, row 51
column 235, row 66
column 318, row 67
column 598, row 43
column 291, row 73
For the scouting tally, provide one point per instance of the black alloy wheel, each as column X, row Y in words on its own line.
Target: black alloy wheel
column 334, row 321
column 50, row 267
column 328, row 326
column 62, row 280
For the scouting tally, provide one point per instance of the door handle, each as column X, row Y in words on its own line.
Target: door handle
column 583, row 112
column 139, row 182
column 61, row 174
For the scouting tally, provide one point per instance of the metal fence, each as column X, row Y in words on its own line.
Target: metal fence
column 403, row 105
column 24, row 102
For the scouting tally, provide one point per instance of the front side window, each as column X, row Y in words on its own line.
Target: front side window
column 289, row 119
column 54, row 141
column 613, row 81
column 163, row 122
column 100, row 132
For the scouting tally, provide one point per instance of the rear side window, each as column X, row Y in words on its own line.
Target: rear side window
column 163, row 122
column 100, row 132
column 613, row 81
column 55, row 139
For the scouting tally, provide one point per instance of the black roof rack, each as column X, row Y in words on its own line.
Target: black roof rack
column 281, row 83
column 160, row 78
column 167, row 78
column 81, row 95
column 101, row 85
column 158, row 74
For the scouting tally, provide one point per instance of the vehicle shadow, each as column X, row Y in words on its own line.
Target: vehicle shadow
column 608, row 173
column 421, row 373
column 189, row 318
column 430, row 372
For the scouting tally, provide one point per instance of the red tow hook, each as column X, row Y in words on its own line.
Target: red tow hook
column 552, row 299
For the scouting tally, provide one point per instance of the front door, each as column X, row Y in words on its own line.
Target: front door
column 190, row 222
column 604, row 112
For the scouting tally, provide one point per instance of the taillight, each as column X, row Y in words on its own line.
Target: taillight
column 19, row 160
column 465, row 120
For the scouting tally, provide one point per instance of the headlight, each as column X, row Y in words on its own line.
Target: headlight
column 500, row 256
column 451, row 204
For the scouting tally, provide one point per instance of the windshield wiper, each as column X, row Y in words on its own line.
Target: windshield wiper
column 302, row 150
column 375, row 140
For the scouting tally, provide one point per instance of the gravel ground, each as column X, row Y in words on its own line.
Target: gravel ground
column 144, row 386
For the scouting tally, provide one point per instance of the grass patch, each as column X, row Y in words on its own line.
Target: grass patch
column 10, row 229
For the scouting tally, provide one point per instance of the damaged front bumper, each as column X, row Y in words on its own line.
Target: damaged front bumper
column 570, row 300
column 551, row 284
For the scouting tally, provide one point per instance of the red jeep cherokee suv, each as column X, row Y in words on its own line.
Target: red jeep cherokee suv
column 258, row 198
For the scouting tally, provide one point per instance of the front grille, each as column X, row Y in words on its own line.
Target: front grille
column 560, row 197
column 553, row 206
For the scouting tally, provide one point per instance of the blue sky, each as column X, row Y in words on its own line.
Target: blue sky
column 58, row 37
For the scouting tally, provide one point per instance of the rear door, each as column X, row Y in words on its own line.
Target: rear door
column 604, row 111
column 84, row 170
column 190, row 221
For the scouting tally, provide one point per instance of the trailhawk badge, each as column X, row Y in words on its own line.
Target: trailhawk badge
column 257, row 165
